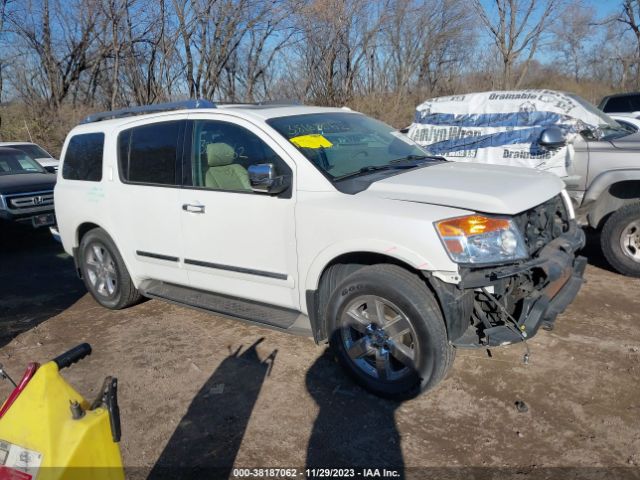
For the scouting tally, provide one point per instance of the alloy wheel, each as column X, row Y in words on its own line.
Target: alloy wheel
column 379, row 338
column 101, row 269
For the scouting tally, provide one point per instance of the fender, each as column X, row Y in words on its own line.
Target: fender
column 600, row 200
column 366, row 245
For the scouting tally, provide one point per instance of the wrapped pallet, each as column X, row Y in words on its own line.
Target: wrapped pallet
column 503, row 127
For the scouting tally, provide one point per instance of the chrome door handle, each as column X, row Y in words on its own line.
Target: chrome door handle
column 192, row 208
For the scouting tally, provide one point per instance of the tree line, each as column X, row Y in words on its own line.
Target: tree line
column 381, row 56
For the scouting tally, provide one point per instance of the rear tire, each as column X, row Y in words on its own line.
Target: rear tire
column 387, row 331
column 104, row 272
column 620, row 240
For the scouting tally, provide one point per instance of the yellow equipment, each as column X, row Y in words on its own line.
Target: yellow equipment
column 48, row 431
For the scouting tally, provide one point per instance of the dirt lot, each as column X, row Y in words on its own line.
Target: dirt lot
column 198, row 389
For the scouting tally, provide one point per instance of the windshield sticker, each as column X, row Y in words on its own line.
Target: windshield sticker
column 311, row 141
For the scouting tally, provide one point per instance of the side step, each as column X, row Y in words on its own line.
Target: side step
column 267, row 315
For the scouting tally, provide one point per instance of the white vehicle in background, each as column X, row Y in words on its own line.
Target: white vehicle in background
column 36, row 152
column 629, row 122
column 317, row 221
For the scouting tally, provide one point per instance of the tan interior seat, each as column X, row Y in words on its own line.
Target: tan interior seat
column 222, row 173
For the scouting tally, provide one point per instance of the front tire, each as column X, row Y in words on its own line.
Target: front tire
column 620, row 240
column 104, row 272
column 388, row 332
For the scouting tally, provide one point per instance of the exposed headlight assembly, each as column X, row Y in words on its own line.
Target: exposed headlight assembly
column 481, row 239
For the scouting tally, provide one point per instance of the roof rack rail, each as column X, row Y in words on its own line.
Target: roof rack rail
column 142, row 109
column 265, row 103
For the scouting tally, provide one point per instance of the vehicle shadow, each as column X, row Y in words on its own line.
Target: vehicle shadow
column 353, row 429
column 207, row 440
column 37, row 280
column 593, row 251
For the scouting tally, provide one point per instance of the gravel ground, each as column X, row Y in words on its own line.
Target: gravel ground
column 204, row 390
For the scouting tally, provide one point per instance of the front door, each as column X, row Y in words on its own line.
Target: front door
column 237, row 242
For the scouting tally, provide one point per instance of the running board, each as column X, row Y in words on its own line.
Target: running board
column 254, row 312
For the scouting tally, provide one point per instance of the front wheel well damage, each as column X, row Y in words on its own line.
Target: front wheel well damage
column 336, row 271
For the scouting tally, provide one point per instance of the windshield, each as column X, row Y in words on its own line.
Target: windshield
column 344, row 144
column 34, row 151
column 609, row 128
column 15, row 162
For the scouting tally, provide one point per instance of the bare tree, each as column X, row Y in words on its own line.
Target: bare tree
column 4, row 6
column 630, row 18
column 260, row 49
column 572, row 34
column 61, row 38
column 425, row 43
column 337, row 39
column 516, row 32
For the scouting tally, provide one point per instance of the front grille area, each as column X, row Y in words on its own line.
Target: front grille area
column 543, row 223
column 29, row 200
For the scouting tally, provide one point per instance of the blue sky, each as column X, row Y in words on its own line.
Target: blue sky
column 604, row 7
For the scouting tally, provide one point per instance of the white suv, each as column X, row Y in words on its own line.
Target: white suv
column 320, row 221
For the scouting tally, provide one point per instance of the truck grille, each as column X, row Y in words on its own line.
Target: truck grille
column 29, row 200
column 543, row 223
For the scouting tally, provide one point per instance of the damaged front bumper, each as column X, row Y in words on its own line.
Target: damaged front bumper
column 508, row 304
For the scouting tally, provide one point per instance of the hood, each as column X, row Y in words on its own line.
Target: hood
column 26, row 182
column 49, row 162
column 628, row 142
column 481, row 188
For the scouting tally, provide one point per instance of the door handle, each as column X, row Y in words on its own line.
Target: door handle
column 193, row 208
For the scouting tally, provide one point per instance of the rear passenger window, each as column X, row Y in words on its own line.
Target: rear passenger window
column 148, row 154
column 83, row 158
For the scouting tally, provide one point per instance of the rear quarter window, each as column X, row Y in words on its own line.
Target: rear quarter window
column 83, row 158
column 626, row 103
column 148, row 154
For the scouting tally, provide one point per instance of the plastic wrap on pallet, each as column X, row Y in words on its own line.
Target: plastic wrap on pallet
column 501, row 127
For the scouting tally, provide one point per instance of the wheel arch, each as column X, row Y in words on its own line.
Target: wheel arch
column 83, row 229
column 609, row 192
column 81, row 232
column 319, row 280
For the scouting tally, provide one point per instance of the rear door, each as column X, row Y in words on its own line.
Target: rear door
column 147, row 207
column 237, row 242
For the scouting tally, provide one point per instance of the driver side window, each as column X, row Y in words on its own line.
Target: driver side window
column 222, row 152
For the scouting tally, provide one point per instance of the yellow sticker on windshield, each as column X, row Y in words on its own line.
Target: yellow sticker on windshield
column 314, row 140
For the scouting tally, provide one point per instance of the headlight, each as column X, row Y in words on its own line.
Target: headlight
column 480, row 239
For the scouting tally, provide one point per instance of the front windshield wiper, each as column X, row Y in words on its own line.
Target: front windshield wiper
column 410, row 158
column 374, row 168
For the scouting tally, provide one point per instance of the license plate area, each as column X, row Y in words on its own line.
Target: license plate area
column 18, row 463
column 43, row 220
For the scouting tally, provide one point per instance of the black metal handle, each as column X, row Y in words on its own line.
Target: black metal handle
column 72, row 356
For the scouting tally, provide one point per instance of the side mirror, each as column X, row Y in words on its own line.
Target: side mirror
column 552, row 137
column 51, row 169
column 263, row 179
